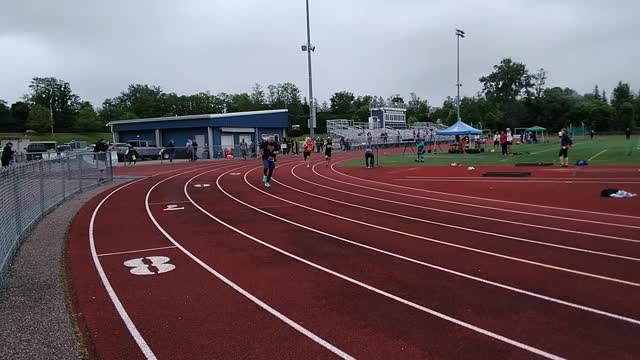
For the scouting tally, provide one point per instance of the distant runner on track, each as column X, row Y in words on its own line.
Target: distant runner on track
column 307, row 149
column 269, row 150
column 327, row 151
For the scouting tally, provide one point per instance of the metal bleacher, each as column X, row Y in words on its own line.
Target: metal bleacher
column 360, row 133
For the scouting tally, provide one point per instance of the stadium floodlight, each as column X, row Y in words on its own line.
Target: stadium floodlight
column 459, row 34
column 309, row 49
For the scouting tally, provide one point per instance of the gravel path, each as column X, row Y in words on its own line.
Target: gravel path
column 34, row 308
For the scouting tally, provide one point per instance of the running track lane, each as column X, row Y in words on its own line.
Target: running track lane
column 564, row 283
column 537, row 218
column 509, row 196
column 185, row 313
column 359, row 321
column 276, row 228
column 432, row 220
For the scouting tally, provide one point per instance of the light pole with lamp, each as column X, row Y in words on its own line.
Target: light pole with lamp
column 459, row 34
column 51, row 112
column 309, row 48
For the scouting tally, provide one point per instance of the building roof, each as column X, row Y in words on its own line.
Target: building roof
column 195, row 117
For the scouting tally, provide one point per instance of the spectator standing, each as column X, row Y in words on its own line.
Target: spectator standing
column 7, row 154
column 509, row 140
column 565, row 144
column 195, row 150
column 171, row 150
column 627, row 133
column 496, row 140
column 244, row 149
column 503, row 143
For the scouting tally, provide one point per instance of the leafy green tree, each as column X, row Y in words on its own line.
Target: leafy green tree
column 56, row 93
column 258, row 99
column 39, row 119
column 88, row 120
column 341, row 102
column 7, row 122
column 417, row 109
column 508, row 82
column 621, row 95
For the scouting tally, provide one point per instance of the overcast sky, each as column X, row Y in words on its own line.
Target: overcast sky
column 377, row 47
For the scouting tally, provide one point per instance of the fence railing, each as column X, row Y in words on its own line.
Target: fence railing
column 29, row 190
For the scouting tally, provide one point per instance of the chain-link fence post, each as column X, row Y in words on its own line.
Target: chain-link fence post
column 111, row 165
column 80, row 173
column 16, row 193
column 63, row 177
column 41, row 181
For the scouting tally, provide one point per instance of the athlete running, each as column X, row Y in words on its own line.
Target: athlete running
column 269, row 150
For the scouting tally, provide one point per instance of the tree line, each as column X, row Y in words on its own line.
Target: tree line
column 511, row 96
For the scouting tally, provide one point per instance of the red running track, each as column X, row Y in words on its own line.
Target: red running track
column 204, row 262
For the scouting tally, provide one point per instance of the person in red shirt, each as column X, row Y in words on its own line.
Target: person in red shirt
column 307, row 149
column 503, row 142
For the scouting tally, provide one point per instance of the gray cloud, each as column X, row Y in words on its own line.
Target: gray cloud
column 365, row 46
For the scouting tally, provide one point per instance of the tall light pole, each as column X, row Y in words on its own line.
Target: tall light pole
column 308, row 48
column 51, row 113
column 459, row 34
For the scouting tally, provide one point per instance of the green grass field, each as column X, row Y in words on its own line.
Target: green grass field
column 600, row 151
column 60, row 138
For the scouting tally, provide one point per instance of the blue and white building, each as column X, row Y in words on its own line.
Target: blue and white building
column 209, row 130
column 392, row 116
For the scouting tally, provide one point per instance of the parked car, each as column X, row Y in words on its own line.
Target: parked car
column 63, row 149
column 35, row 151
column 120, row 149
column 145, row 149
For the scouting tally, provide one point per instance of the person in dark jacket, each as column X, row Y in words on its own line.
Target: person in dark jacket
column 565, row 144
column 7, row 154
column 171, row 150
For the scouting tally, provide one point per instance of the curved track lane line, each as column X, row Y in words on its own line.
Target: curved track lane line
column 436, row 267
column 131, row 327
column 366, row 286
column 440, row 268
column 230, row 283
column 496, row 200
column 571, row 248
column 548, row 266
column 449, row 211
column 472, row 205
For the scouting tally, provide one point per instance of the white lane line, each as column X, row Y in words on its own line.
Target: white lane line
column 170, row 202
column 131, row 327
column 233, row 285
column 456, row 213
column 593, row 252
column 492, row 200
column 436, row 267
column 568, row 182
column 137, row 251
column 369, row 287
column 524, row 180
column 564, row 218
column 598, row 154
column 530, row 262
column 133, row 330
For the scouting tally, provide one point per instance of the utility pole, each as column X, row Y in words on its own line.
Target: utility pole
column 312, row 106
column 459, row 34
column 51, row 113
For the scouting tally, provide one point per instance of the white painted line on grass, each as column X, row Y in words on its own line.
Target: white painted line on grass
column 598, row 154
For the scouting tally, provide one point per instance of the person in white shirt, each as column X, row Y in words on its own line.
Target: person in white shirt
column 509, row 141
column 496, row 140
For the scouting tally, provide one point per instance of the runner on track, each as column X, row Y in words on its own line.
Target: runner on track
column 307, row 149
column 327, row 150
column 269, row 150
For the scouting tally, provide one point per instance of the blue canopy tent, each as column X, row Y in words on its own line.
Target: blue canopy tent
column 459, row 128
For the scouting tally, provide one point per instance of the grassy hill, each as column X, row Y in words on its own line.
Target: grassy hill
column 60, row 138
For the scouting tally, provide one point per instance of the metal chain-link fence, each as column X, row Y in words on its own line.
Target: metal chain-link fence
column 29, row 190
